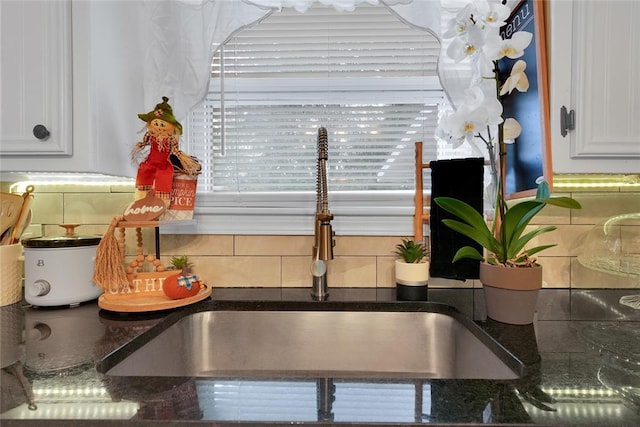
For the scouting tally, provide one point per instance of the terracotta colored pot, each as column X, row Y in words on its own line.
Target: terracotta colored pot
column 511, row 294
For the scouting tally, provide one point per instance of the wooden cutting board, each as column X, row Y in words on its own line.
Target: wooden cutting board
column 10, row 206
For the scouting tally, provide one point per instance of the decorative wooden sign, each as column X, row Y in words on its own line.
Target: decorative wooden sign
column 146, row 209
column 530, row 157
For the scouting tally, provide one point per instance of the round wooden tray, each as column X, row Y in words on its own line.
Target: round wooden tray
column 140, row 302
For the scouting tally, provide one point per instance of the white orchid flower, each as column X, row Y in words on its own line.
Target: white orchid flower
column 467, row 45
column 491, row 111
column 517, row 79
column 455, row 28
column 511, row 130
column 493, row 13
column 472, row 119
column 514, row 47
column 463, row 20
column 460, row 123
column 475, row 36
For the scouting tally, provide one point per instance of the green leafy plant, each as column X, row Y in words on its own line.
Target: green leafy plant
column 410, row 251
column 505, row 241
column 181, row 263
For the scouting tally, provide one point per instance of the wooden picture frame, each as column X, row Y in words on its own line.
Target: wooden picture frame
column 529, row 158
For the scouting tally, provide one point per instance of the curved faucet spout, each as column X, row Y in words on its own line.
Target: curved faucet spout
column 323, row 242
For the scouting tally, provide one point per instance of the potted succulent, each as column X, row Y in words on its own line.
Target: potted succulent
column 184, row 283
column 411, row 270
column 510, row 275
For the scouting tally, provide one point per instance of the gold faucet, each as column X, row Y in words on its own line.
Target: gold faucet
column 323, row 244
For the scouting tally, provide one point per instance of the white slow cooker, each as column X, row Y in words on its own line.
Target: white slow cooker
column 58, row 270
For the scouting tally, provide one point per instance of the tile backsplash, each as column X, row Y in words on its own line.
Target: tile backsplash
column 360, row 261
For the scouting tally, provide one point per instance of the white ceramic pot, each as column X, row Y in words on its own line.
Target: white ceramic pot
column 412, row 280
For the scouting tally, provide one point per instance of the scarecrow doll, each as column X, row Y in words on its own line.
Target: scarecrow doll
column 155, row 172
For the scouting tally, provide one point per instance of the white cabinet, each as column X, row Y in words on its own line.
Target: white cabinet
column 73, row 67
column 35, row 82
column 594, row 68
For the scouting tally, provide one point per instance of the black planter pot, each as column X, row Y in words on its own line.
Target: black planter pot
column 411, row 293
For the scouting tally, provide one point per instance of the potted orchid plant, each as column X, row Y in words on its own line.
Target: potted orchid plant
column 475, row 34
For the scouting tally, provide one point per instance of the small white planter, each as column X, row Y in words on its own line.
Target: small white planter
column 412, row 280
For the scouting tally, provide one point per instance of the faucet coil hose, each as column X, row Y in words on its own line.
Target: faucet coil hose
column 323, row 144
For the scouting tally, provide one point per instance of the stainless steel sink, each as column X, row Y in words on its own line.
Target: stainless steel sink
column 337, row 340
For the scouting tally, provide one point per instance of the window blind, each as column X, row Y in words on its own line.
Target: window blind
column 366, row 76
column 295, row 401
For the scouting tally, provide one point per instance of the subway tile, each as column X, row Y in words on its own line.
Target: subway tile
column 47, row 208
column 366, row 245
column 240, row 271
column 346, row 272
column 352, row 272
column 273, row 245
column 556, row 272
column 385, row 272
column 196, row 244
column 569, row 240
column 553, row 215
column 360, row 261
column 94, row 208
column 599, row 206
column 296, row 271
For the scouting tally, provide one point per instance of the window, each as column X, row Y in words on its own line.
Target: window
column 366, row 76
column 296, row 401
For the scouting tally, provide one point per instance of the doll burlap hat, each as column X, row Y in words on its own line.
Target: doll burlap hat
column 164, row 112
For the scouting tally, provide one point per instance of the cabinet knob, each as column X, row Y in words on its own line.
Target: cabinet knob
column 41, row 132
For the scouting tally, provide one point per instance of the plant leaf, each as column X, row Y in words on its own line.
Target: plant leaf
column 518, row 245
column 537, row 249
column 516, row 220
column 463, row 211
column 482, row 237
column 543, row 190
column 467, row 252
column 563, row 202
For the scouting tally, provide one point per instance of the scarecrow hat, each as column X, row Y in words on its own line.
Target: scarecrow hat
column 164, row 112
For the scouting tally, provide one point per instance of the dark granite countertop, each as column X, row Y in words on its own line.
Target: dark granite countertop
column 581, row 370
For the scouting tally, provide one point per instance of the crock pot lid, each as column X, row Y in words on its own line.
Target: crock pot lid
column 61, row 241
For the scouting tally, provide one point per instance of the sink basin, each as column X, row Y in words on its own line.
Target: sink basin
column 319, row 339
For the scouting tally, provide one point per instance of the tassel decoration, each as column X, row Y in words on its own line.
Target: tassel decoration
column 109, row 273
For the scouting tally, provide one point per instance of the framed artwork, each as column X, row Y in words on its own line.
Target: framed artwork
column 529, row 158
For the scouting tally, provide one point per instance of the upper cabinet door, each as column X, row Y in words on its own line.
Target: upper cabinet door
column 595, row 64
column 35, row 78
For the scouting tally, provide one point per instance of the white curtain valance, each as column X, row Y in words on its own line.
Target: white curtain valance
column 184, row 35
